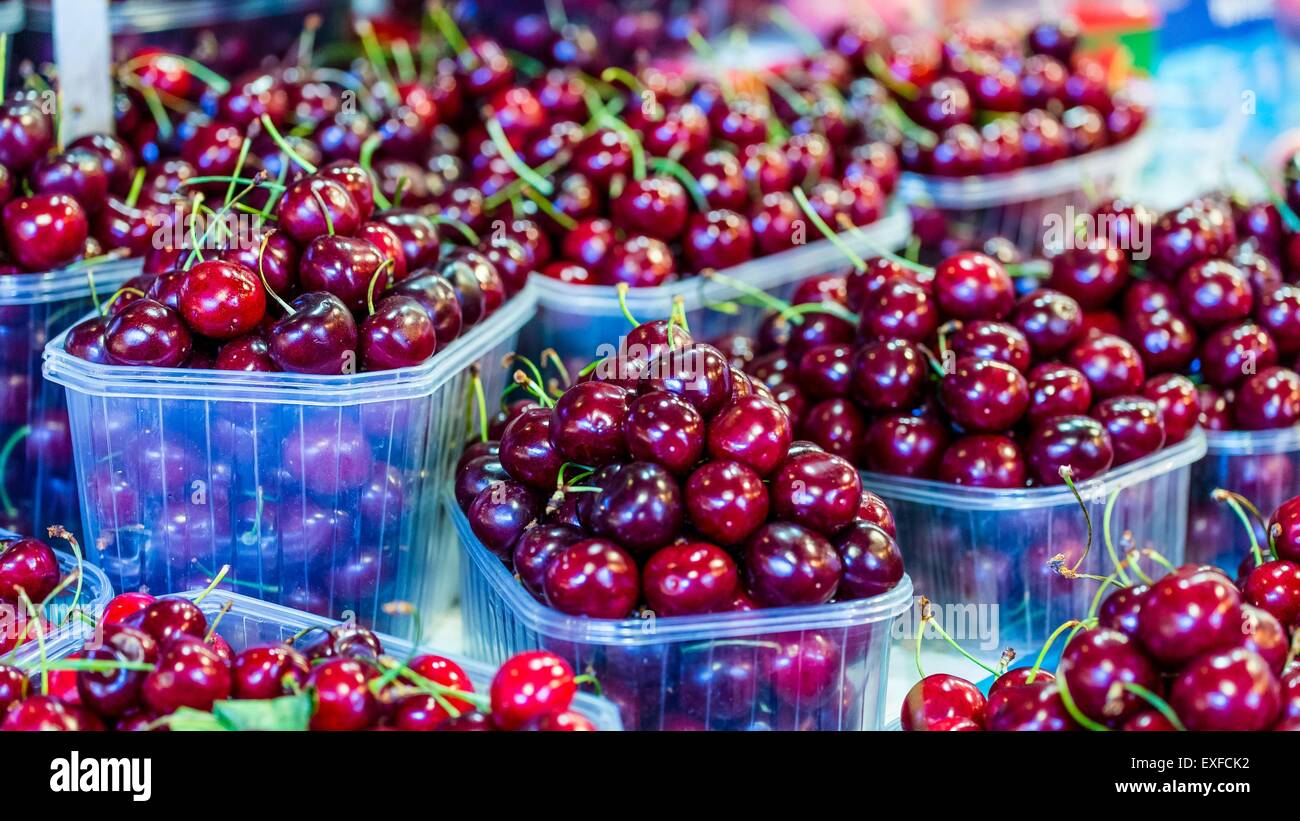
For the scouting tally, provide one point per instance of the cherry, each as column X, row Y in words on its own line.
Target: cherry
column 786, row 564
column 45, row 231
column 906, row 445
column 1284, row 530
column 167, row 619
column 640, row 262
column 752, row 430
column 1092, row 275
column 299, row 211
column 77, row 172
column 535, row 549
column 639, row 505
column 1135, row 425
column 899, row 309
column 1270, row 399
column 438, row 296
column 1275, row 587
column 664, row 428
column 147, row 333
column 816, row 490
column 1262, row 633
column 1017, row 677
column 13, row 687
column 123, row 606
column 265, row 672
column 970, row 285
column 941, row 696
column 690, row 578
column 587, row 424
column 343, row 700
column 319, row 336
column 529, row 687
column 277, row 261
column 114, row 692
column 1111, row 364
column 526, row 450
column 44, row 712
column 189, row 674
column 1187, row 613
column 28, row 565
column 726, row 501
column 1232, row 690
column 344, row 267
column 222, row 300
column 399, row 334
column 1079, row 442
column 595, row 578
column 1097, row 661
column 1033, row 707
column 499, row 514
column 247, row 353
column 872, row 562
column 1214, row 292
column 1175, row 397
column 654, row 206
column 417, row 233
column 984, row 395
column 983, row 460
column 1277, row 310
column 1057, row 390
column 998, row 341
column 889, row 375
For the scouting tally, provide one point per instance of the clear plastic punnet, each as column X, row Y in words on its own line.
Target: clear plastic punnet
column 1018, row 204
column 249, row 622
column 1261, row 465
column 70, row 614
column 820, row 667
column 37, row 485
column 984, row 557
column 576, row 320
column 320, row 492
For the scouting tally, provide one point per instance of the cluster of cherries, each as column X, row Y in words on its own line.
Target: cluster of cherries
column 669, row 480
column 152, row 662
column 29, row 575
column 946, row 373
column 52, row 197
column 980, row 98
column 1195, row 650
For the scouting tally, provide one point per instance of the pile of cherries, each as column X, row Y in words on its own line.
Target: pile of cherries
column 668, row 480
column 1194, row 650
column 153, row 662
column 948, row 374
column 980, row 98
column 29, row 575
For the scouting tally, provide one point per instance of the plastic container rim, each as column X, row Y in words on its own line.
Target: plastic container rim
column 632, row 631
column 946, row 495
column 286, row 388
column 66, row 283
column 92, row 577
column 1249, row 442
column 1034, row 182
column 890, row 231
column 154, row 16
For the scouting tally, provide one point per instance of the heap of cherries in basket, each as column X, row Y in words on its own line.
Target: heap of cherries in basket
column 667, row 479
column 158, row 664
column 1193, row 650
column 945, row 373
column 981, row 98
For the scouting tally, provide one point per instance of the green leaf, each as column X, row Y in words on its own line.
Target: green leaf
column 187, row 719
column 285, row 714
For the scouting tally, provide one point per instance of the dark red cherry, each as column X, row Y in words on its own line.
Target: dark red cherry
column 689, row 579
column 500, row 513
column 1268, row 400
column 1057, row 390
column 718, row 239
column 984, row 339
column 697, row 372
column 1187, row 613
column 726, row 501
column 1135, row 425
column 1231, row 353
column 417, row 233
column 639, row 505
column 399, row 334
column 640, row 262
column 985, row 395
column 319, row 337
column 1111, row 364
column 1284, row 530
column 655, row 206
column 300, row 213
column 900, row 310
column 889, row 375
column 1175, row 397
column 265, row 672
column 438, row 296
column 938, row 697
column 587, row 425
column 1050, row 320
column 222, row 300
column 786, row 565
column 1033, row 707
column 1096, row 666
column 535, row 549
column 1214, row 292
column 1163, row 339
column 29, row 565
column 595, row 578
column 872, row 562
column 343, row 700
column 905, row 445
column 26, row 132
column 984, row 460
column 664, row 428
column 1275, row 587
column 190, row 673
column 147, row 334
column 1277, row 310
column 1232, row 690
column 816, row 490
column 246, row 353
column 1080, row 442
column 343, row 266
column 526, row 451
column 1092, row 275
column 751, row 430
column 45, row 231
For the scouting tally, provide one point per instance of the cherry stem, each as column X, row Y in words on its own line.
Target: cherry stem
column 375, row 57
column 206, row 75
column 516, row 185
column 1063, row 688
column 1157, row 703
column 261, row 272
column 452, row 34
column 1158, row 558
column 1109, row 540
column 1229, row 498
column 4, row 60
column 512, row 158
column 880, row 70
column 552, row 356
column 928, row 616
column 366, row 161
column 307, row 39
column 1042, row 654
column 935, row 364
column 137, row 184
column 325, row 211
column 618, row 74
column 480, row 400
column 99, row 666
column 548, row 208
column 34, row 616
column 589, row 678
column 663, row 165
column 403, row 59
column 61, row 532
column 374, row 279
column 464, row 229
column 196, row 249
column 913, row 251
column 533, row 388
column 838, row 241
column 207, row 591
column 797, row 102
column 216, row 620
column 126, row 289
column 622, row 290
column 924, row 604
column 1033, row 269
column 284, row 146
column 1067, row 474
column 1101, row 589
column 244, row 146
column 5, row 453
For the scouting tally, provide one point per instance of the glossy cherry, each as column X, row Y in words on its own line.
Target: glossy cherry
column 593, row 577
column 786, row 564
column 941, row 696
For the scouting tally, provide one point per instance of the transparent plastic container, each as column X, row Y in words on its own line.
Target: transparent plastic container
column 320, row 492
column 728, row 671
column 1017, row 204
column 981, row 555
column 576, row 320
column 66, row 611
column 1263, row 466
column 251, row 622
column 37, row 485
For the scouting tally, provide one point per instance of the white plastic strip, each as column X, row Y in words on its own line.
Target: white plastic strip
column 82, row 51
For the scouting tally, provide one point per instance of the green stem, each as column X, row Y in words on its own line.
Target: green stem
column 261, row 272
column 370, row 290
column 5, row 453
column 137, row 184
column 1042, row 654
column 1110, row 541
column 1221, row 495
column 663, row 165
column 284, row 146
column 324, row 209
column 60, row 532
column 1157, row 703
column 548, row 208
column 207, row 591
column 622, row 290
column 513, row 159
column 34, row 617
column 1063, row 688
column 205, row 75
column 480, row 398
column 1068, row 476
column 465, row 231
column 838, row 241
